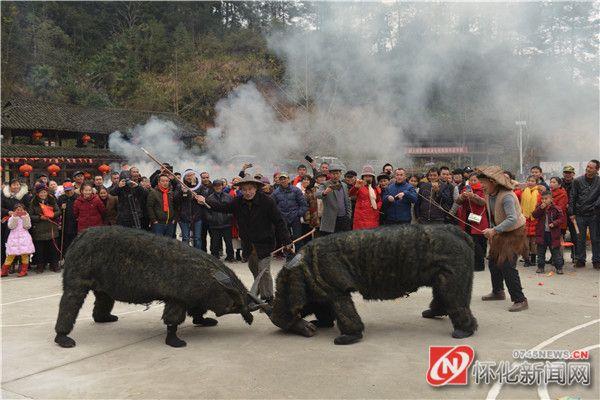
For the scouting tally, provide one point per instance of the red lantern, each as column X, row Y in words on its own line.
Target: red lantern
column 86, row 138
column 25, row 169
column 37, row 135
column 87, row 175
column 105, row 169
column 53, row 169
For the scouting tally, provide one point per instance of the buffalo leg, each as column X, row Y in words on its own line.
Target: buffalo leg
column 198, row 318
column 456, row 295
column 102, row 308
column 70, row 304
column 348, row 320
column 173, row 315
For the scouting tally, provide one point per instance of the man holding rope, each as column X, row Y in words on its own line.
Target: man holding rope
column 506, row 236
column 260, row 223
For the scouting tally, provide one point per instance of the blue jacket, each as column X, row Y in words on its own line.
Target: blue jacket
column 291, row 202
column 399, row 210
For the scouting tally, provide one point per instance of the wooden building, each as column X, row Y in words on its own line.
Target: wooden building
column 41, row 134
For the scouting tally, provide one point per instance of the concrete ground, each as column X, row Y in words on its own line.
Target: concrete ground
column 128, row 359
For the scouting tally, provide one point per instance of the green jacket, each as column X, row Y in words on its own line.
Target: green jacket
column 43, row 229
column 154, row 205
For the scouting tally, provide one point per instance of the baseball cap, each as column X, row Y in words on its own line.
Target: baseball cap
column 569, row 168
column 68, row 186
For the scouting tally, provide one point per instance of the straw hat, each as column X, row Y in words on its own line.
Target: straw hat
column 367, row 170
column 249, row 179
column 496, row 174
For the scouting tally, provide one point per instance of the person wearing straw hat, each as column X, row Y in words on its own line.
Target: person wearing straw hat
column 368, row 200
column 506, row 236
column 260, row 225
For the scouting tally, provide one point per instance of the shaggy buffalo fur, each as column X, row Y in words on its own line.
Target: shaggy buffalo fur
column 134, row 266
column 380, row 264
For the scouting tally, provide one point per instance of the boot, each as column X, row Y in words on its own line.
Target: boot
column 540, row 270
column 494, row 296
column 580, row 264
column 24, row 268
column 5, row 269
column 596, row 265
column 39, row 268
column 520, row 306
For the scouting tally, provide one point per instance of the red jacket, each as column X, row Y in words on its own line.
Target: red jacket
column 555, row 216
column 561, row 201
column 468, row 207
column 89, row 212
column 365, row 216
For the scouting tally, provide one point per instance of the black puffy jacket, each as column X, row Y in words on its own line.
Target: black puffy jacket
column 585, row 195
column 216, row 219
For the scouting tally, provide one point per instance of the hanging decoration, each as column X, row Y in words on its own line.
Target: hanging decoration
column 105, row 169
column 53, row 169
column 37, row 135
column 86, row 138
column 25, row 169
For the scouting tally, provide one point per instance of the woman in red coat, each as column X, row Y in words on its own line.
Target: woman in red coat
column 560, row 199
column 368, row 200
column 472, row 211
column 88, row 209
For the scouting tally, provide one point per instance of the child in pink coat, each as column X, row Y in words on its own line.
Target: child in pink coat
column 19, row 241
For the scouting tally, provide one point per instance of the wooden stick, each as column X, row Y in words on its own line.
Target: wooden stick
column 300, row 238
column 195, row 195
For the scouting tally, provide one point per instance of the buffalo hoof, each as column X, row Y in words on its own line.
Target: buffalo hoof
column 201, row 321
column 432, row 313
column 304, row 328
column 460, row 334
column 347, row 339
column 105, row 318
column 64, row 341
column 322, row 324
column 173, row 341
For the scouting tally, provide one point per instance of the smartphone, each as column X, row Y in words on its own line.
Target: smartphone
column 308, row 158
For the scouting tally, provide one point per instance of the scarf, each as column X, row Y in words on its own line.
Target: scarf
column 372, row 197
column 476, row 186
column 529, row 200
column 165, row 196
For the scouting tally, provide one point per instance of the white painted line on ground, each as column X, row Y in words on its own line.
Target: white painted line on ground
column 31, row 299
column 543, row 388
column 78, row 319
column 495, row 390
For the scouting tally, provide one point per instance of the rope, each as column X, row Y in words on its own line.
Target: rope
column 431, row 201
column 296, row 240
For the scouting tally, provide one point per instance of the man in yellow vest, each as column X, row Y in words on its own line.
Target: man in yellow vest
column 506, row 236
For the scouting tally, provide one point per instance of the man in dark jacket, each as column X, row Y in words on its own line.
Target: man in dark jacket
column 132, row 198
column 220, row 223
column 260, row 225
column 191, row 213
column 397, row 199
column 163, row 207
column 292, row 204
column 205, row 191
column 432, row 195
column 69, row 224
column 584, row 208
column 567, row 184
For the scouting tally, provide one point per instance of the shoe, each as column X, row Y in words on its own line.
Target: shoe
column 55, row 267
column 579, row 264
column 5, row 269
column 229, row 259
column 238, row 254
column 520, row 306
column 540, row 270
column 429, row 313
column 23, row 272
column 204, row 321
column 559, row 271
column 596, row 265
column 39, row 268
column 494, row 296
